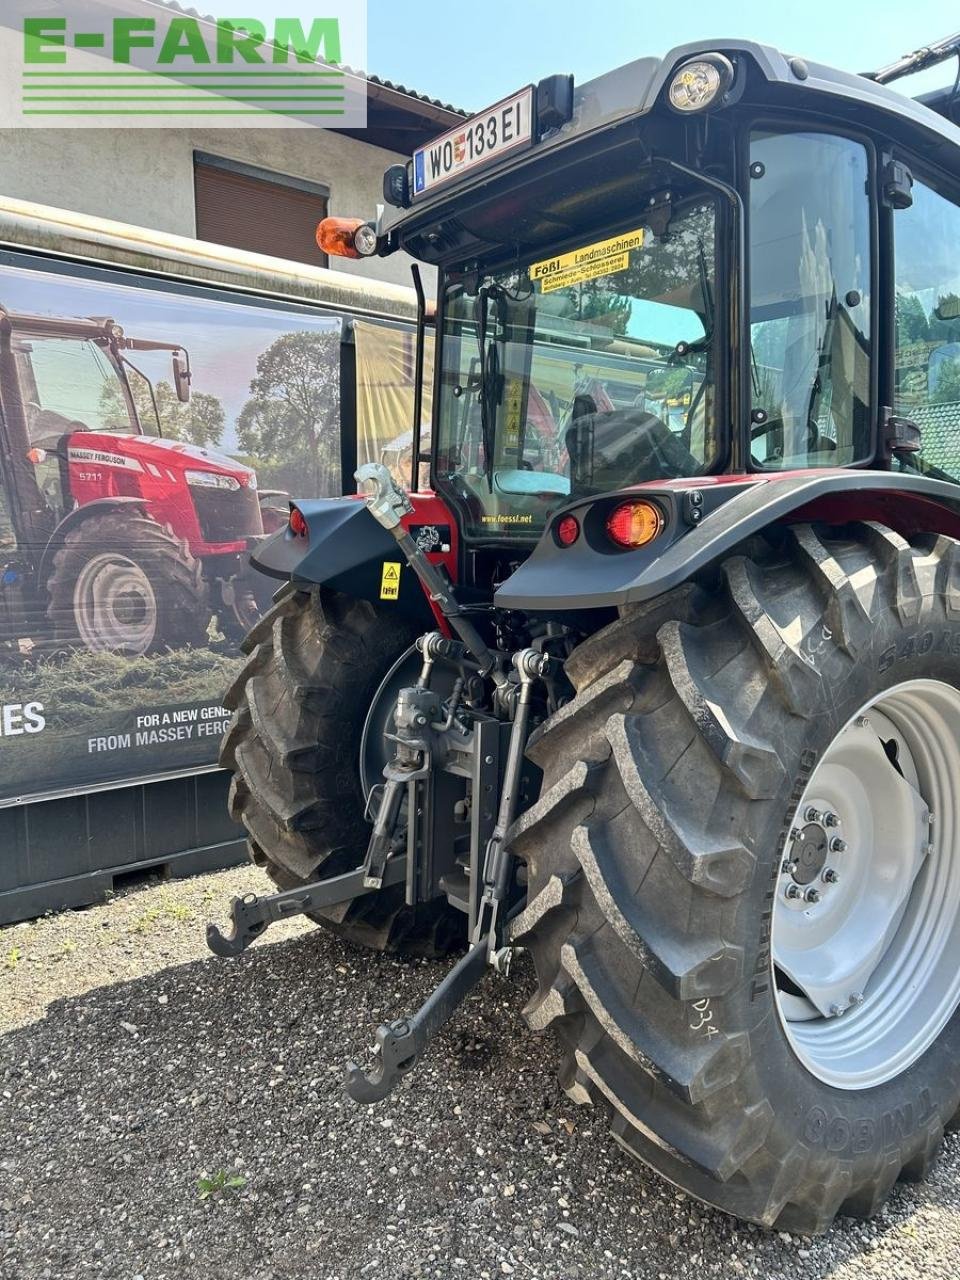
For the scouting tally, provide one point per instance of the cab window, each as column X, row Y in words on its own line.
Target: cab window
column 810, row 321
column 927, row 366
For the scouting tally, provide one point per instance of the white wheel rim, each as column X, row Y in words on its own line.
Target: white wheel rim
column 114, row 605
column 867, row 965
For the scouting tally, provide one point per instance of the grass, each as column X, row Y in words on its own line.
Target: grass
column 74, row 687
column 12, row 958
column 217, row 1184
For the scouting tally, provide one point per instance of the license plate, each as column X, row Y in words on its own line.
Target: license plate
column 503, row 127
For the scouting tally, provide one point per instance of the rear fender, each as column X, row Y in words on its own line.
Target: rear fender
column 704, row 519
column 346, row 550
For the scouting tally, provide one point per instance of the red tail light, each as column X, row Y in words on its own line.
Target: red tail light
column 567, row 531
column 634, row 524
column 298, row 525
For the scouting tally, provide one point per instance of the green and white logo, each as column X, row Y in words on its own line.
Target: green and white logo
column 143, row 63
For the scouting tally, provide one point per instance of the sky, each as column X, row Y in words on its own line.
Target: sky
column 472, row 53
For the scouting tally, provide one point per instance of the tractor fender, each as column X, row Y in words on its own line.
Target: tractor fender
column 346, row 550
column 76, row 517
column 704, row 520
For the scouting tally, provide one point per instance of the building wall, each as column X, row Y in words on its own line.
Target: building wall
column 145, row 176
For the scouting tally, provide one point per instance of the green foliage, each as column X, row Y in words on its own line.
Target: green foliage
column 291, row 423
column 912, row 322
column 74, row 688
column 216, row 1184
column 13, row 958
column 201, row 422
column 947, row 390
column 668, row 383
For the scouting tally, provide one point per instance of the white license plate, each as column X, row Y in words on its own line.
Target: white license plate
column 501, row 128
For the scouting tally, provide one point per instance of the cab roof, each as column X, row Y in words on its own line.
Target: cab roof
column 779, row 80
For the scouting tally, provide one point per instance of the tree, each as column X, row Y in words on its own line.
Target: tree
column 200, row 422
column 947, row 389
column 912, row 322
column 292, row 419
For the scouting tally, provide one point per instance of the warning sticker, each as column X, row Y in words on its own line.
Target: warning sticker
column 586, row 263
column 390, row 581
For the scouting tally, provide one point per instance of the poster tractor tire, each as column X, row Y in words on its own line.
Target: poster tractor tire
column 122, row 583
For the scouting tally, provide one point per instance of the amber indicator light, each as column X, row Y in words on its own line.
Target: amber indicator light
column 335, row 237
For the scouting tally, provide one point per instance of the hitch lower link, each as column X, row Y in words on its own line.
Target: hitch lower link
column 400, row 1043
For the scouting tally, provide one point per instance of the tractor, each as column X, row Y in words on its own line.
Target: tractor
column 113, row 538
column 660, row 681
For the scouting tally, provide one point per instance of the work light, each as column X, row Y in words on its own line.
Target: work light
column 698, row 83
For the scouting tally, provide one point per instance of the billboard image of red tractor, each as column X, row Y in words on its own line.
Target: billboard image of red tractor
column 147, row 443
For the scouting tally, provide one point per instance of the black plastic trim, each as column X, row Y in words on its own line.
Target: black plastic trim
column 582, row 577
column 345, row 549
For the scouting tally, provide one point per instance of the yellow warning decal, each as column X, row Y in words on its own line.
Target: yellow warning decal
column 586, row 263
column 390, row 581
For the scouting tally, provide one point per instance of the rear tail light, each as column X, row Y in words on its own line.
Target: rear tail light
column 634, row 524
column 298, row 525
column 567, row 531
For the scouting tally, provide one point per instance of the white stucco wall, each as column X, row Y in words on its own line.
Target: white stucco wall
column 145, row 176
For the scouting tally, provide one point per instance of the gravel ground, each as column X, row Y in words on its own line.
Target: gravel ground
column 133, row 1065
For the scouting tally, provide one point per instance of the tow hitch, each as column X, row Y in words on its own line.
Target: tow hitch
column 423, row 834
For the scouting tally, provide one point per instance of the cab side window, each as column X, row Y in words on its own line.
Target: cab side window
column 927, row 277
column 810, row 305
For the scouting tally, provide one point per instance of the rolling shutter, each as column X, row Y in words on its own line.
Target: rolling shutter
column 258, row 211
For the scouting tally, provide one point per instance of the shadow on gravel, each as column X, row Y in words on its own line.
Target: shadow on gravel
column 116, row 1103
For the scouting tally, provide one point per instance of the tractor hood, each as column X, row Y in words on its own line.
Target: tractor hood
column 167, row 459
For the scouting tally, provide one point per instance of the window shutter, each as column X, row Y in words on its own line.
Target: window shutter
column 257, row 213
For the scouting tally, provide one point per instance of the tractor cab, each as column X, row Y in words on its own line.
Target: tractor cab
column 730, row 261
column 672, row 703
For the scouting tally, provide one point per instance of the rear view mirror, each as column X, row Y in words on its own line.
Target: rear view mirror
column 182, row 375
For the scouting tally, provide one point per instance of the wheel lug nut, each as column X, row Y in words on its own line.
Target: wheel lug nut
column 856, row 998
column 812, row 895
column 811, row 815
column 788, row 867
column 795, row 833
column 830, row 876
column 793, row 891
column 837, row 1010
column 831, row 820
column 837, row 845
column 862, row 722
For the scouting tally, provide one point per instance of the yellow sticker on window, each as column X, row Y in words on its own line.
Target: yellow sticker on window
column 589, row 262
column 390, row 581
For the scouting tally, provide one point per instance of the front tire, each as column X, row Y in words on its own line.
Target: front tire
column 125, row 584
column 656, row 867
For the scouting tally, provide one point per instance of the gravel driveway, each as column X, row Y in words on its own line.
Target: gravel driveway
column 133, row 1065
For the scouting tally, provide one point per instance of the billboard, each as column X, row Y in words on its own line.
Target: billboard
column 148, row 438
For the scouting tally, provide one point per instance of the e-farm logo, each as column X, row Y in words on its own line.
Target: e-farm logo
column 152, row 65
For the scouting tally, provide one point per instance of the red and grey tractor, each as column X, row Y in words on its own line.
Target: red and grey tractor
column 660, row 682
column 116, row 538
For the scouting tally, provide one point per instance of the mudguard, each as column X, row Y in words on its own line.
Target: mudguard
column 704, row 519
column 346, row 550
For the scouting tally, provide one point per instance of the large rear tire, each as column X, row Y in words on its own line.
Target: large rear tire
column 316, row 661
column 663, row 844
